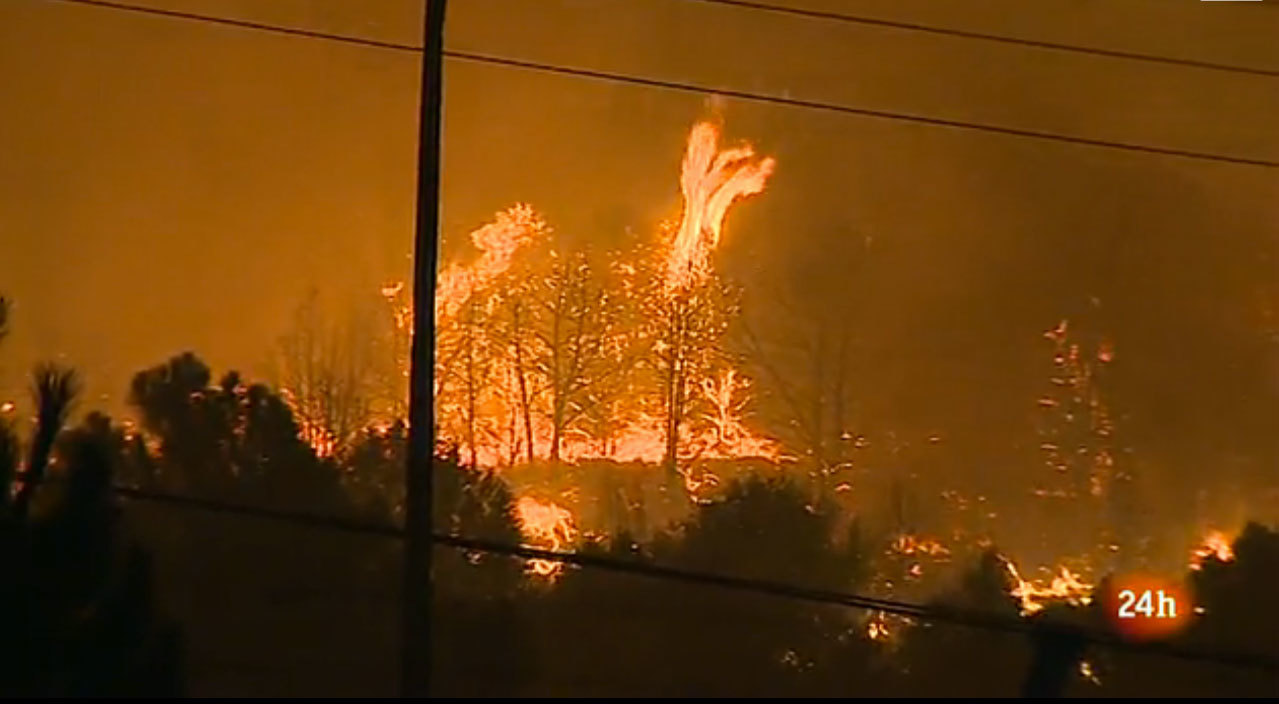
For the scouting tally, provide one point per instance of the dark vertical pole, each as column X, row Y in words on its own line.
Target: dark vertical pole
column 1055, row 660
column 416, row 637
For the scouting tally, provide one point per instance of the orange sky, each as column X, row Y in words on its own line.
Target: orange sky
column 167, row 185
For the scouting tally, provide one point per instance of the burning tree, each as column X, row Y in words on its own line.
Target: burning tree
column 471, row 401
column 692, row 308
column 569, row 355
column 512, row 329
column 465, row 376
column 393, row 369
column 551, row 353
column 578, row 345
column 688, row 326
column 1077, row 440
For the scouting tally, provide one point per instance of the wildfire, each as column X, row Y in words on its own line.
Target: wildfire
column 1215, row 545
column 1088, row 672
column 888, row 629
column 549, row 526
column 539, row 356
column 711, row 180
column 401, row 313
column 513, row 229
column 907, row 544
column 514, row 386
column 322, row 442
column 877, row 629
column 728, row 436
column 1065, row 586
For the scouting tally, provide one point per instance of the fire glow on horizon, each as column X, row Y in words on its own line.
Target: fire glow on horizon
column 512, row 389
column 504, row 385
column 712, row 179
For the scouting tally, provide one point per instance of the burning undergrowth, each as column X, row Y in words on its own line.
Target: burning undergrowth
column 601, row 385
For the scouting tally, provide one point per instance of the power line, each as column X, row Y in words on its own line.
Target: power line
column 743, row 4
column 982, row 36
column 862, row 112
column 304, row 519
column 765, row 98
column 244, row 24
column 933, row 612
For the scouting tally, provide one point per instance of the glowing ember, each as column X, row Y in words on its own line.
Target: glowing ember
column 728, row 437
column 401, row 312
column 1066, row 587
column 876, row 629
column 322, row 442
column 906, row 544
column 1088, row 672
column 6, row 407
column 1215, row 545
column 548, row 526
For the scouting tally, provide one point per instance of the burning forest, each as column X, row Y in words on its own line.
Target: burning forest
column 548, row 357
column 909, row 368
column 614, row 391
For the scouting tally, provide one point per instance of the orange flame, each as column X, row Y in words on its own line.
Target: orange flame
column 877, row 629
column 401, row 313
column 491, row 386
column 906, row 544
column 1065, row 586
column 1215, row 545
column 711, row 180
column 549, row 526
column 513, row 229
column 498, row 422
column 322, row 442
column 727, row 435
column 1088, row 672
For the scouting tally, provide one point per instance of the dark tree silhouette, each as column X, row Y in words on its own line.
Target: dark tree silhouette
column 374, row 469
column 951, row 660
column 627, row 635
column 77, row 614
column 54, row 390
column 478, row 621
column 1238, row 615
column 479, row 598
column 768, row 530
column 255, row 593
column 1238, row 596
column 232, row 441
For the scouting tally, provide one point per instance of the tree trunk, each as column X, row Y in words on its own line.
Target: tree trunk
column 470, row 387
column 523, row 383
column 675, row 380
column 557, row 378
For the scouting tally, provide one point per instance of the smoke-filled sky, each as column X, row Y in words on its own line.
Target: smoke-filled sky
column 168, row 185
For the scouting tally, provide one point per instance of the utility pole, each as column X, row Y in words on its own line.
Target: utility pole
column 1056, row 658
column 415, row 675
